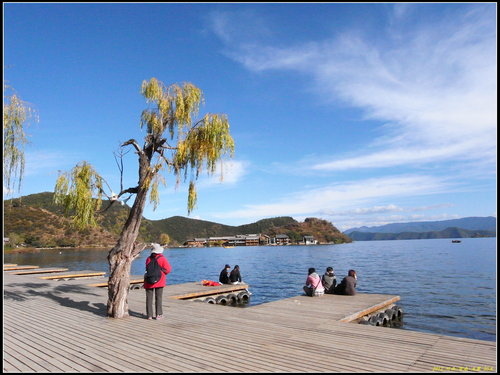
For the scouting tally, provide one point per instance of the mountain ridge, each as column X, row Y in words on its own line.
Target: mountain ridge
column 35, row 219
column 451, row 232
column 468, row 223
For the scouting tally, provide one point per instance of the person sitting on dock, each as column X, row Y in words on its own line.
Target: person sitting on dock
column 348, row 285
column 329, row 280
column 313, row 287
column 235, row 276
column 224, row 275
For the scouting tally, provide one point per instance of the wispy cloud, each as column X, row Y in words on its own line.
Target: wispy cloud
column 341, row 197
column 390, row 208
column 229, row 172
column 434, row 90
column 47, row 162
column 247, row 30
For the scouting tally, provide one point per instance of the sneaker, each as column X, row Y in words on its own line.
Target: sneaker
column 158, row 317
column 150, row 318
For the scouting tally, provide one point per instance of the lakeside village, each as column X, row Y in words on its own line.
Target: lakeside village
column 232, row 241
column 247, row 240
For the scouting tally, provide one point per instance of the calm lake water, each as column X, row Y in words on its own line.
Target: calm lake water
column 445, row 288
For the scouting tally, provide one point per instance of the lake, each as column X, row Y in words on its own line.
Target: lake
column 445, row 288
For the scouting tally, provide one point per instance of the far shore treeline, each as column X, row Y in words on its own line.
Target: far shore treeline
column 36, row 221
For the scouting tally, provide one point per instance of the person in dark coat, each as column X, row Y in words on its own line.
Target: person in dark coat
column 224, row 275
column 235, row 276
column 156, row 289
column 348, row 285
column 329, row 280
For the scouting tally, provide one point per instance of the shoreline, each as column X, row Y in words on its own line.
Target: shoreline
column 30, row 249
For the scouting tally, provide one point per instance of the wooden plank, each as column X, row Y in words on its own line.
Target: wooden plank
column 102, row 342
column 35, row 355
column 20, row 268
column 9, row 264
column 360, row 314
column 196, row 337
column 73, row 276
column 41, row 341
column 40, row 270
column 137, row 281
column 212, row 290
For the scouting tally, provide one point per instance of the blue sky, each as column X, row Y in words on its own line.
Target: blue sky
column 360, row 114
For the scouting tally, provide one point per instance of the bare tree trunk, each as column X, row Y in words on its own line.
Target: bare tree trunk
column 118, row 285
column 120, row 260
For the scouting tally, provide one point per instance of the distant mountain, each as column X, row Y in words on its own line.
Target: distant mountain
column 34, row 219
column 469, row 223
column 445, row 233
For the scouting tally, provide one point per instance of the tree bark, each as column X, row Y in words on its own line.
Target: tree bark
column 118, row 285
column 125, row 251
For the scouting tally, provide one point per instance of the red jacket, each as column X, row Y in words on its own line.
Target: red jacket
column 163, row 262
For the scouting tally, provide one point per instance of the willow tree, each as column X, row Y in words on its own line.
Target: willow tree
column 178, row 142
column 16, row 116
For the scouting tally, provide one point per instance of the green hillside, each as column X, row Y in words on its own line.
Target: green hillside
column 321, row 230
column 37, row 221
column 38, row 227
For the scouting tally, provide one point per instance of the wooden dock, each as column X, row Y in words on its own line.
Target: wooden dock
column 60, row 326
column 38, row 271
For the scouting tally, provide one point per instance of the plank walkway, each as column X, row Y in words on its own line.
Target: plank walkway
column 16, row 267
column 37, row 271
column 60, row 326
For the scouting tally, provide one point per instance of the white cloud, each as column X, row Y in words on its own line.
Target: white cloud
column 246, row 30
column 47, row 162
column 230, row 172
column 340, row 197
column 366, row 210
column 435, row 90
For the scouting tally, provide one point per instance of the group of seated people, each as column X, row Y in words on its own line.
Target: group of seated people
column 230, row 277
column 317, row 286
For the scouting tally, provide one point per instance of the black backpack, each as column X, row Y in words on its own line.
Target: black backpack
column 153, row 271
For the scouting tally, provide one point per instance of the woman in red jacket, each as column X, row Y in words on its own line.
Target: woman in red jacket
column 157, row 287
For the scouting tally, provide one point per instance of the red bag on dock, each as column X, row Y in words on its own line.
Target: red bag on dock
column 210, row 283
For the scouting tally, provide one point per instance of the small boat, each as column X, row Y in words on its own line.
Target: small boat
column 227, row 246
column 456, row 241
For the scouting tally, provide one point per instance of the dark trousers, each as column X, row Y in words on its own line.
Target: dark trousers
column 308, row 291
column 158, row 294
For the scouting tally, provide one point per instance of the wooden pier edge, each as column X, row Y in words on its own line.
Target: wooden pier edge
column 40, row 270
column 15, row 268
column 75, row 275
column 370, row 310
column 213, row 291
